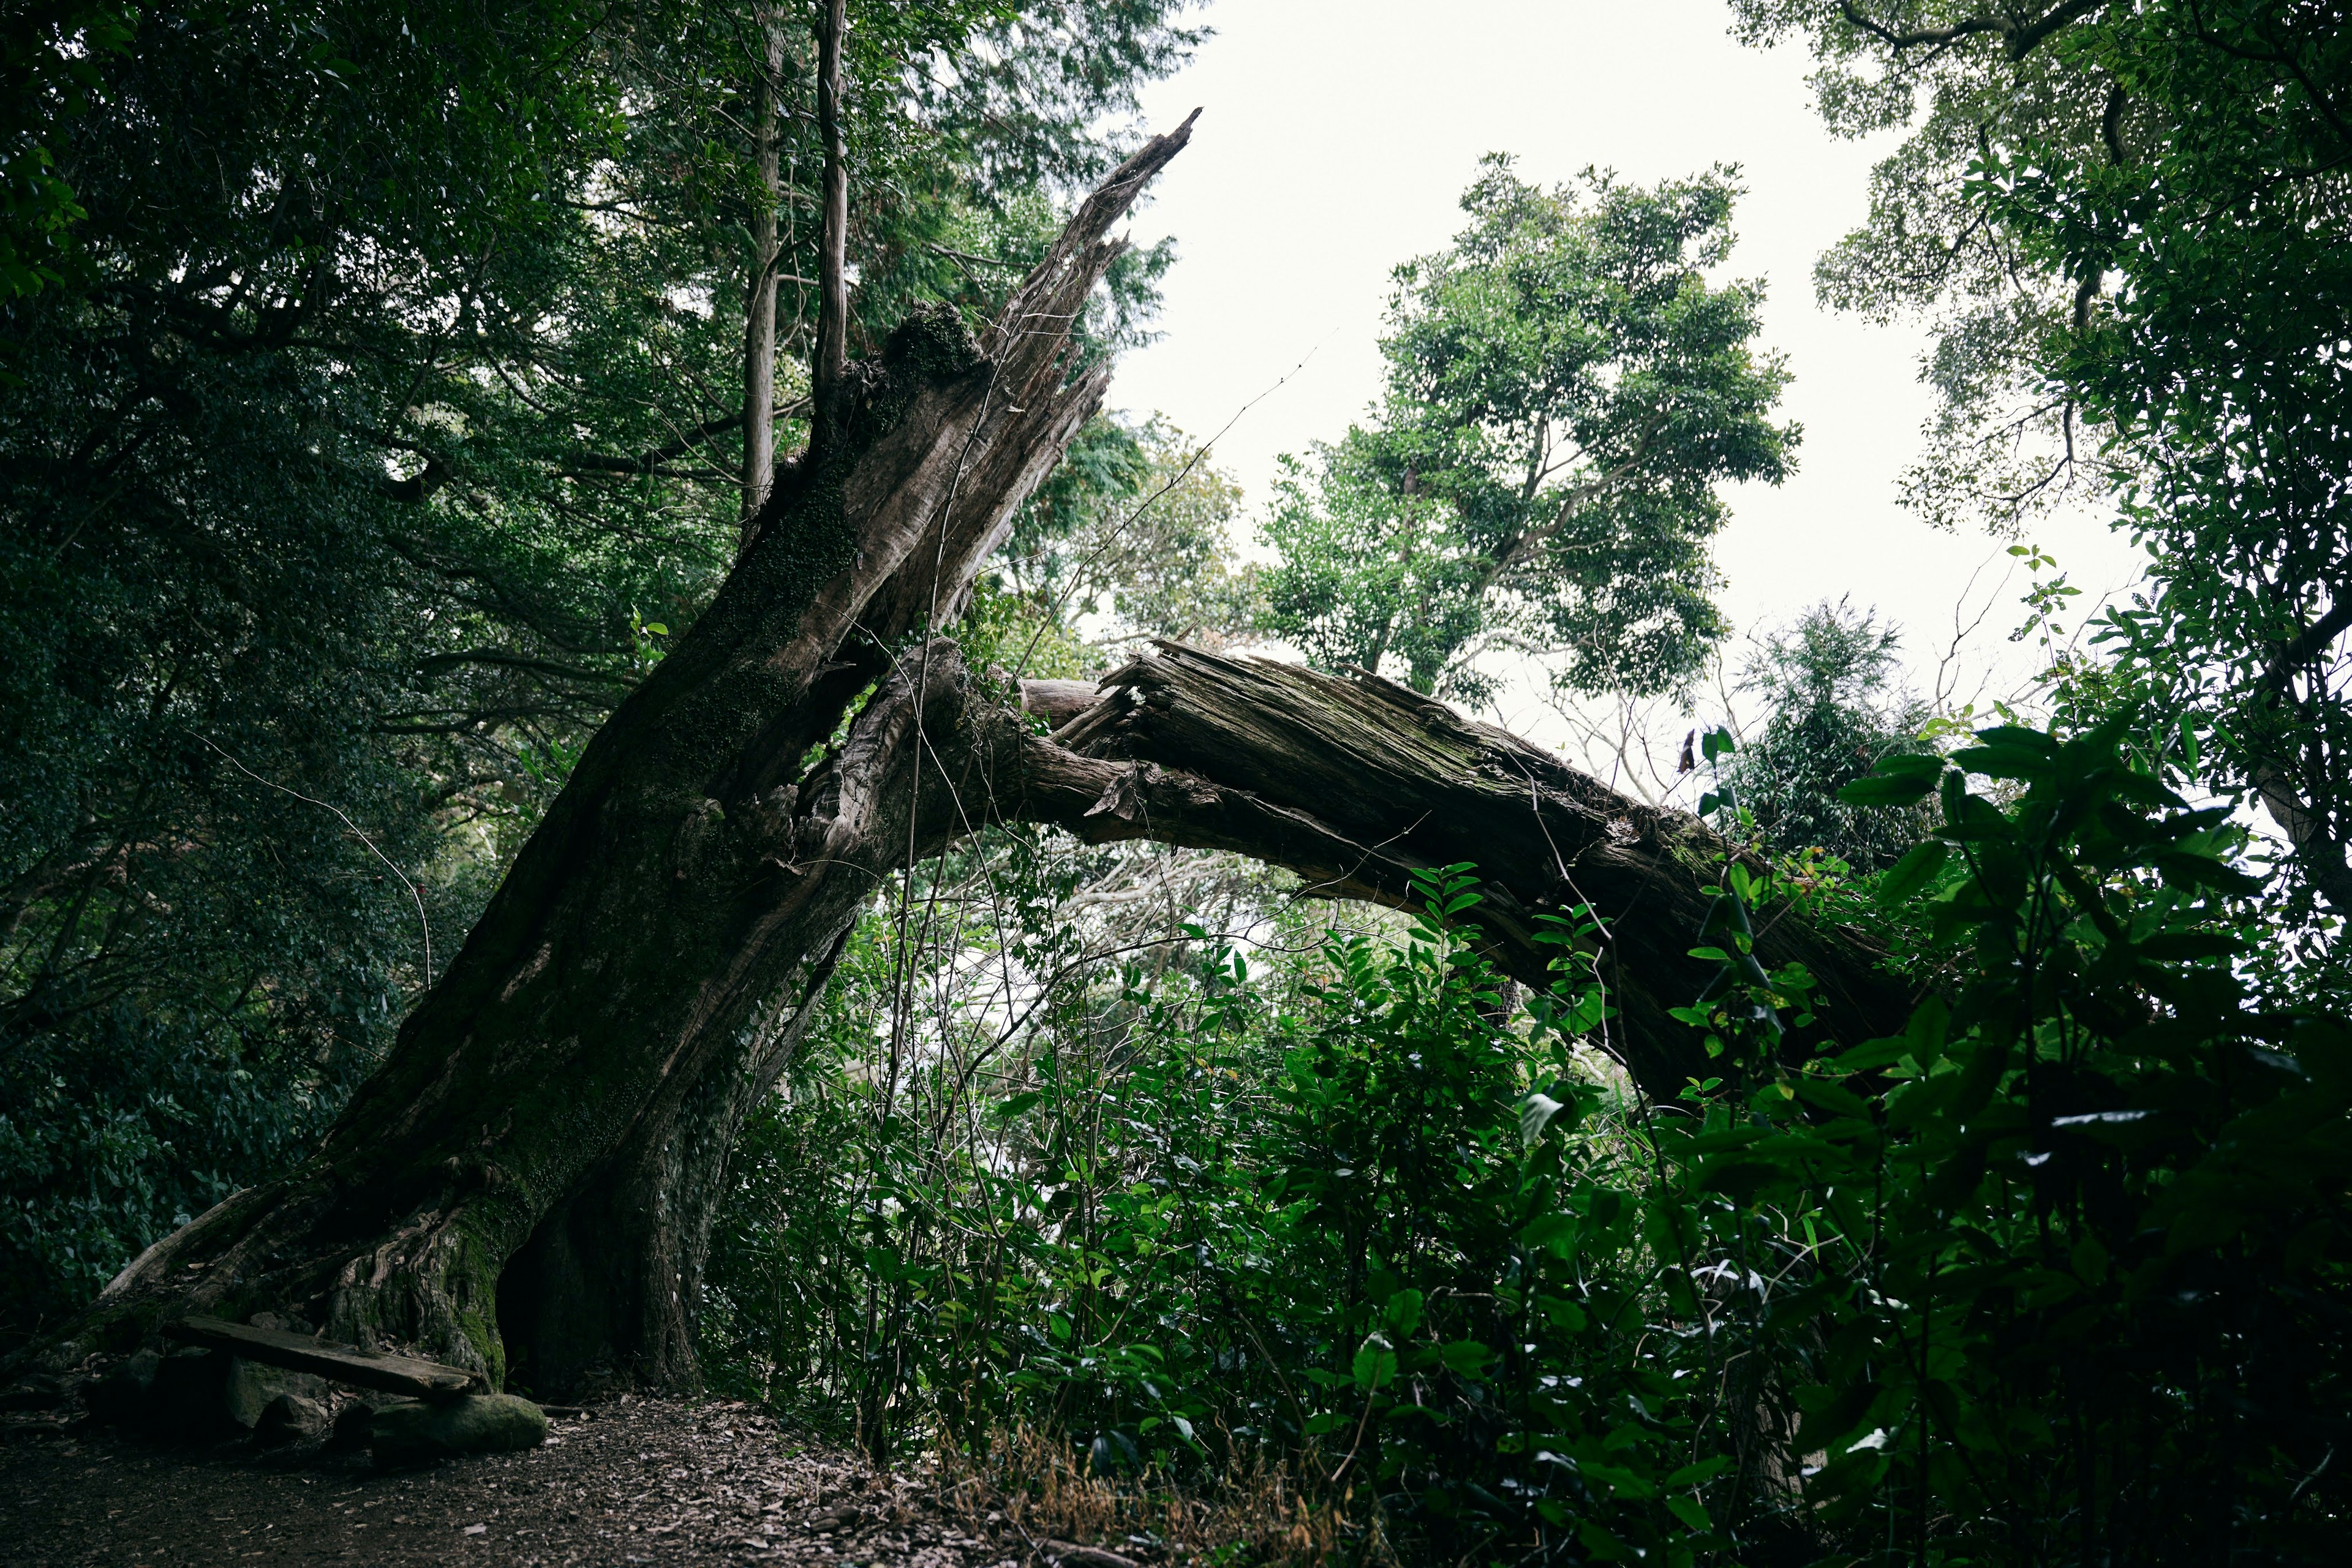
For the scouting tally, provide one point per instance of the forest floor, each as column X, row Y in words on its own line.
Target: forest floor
column 634, row 1481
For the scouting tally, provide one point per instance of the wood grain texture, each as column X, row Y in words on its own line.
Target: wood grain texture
column 1355, row 782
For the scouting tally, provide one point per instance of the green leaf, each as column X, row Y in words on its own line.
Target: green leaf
column 1689, row 1510
column 1871, row 1054
column 1929, row 765
column 1828, row 1096
column 1832, row 1412
column 1913, row 872
column 2004, row 763
column 1550, row 1230
column 1466, row 1358
column 1565, row 1315
column 1880, row 789
column 1925, row 1034
column 1376, row 1366
column 2018, row 737
column 1704, row 1470
column 2176, row 946
column 1536, row 1113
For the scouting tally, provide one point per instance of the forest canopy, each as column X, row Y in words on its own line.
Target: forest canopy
column 620, row 770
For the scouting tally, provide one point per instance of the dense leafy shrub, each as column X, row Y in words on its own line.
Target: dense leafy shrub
column 2057, row 1275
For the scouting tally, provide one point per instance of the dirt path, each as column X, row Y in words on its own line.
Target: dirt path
column 632, row 1482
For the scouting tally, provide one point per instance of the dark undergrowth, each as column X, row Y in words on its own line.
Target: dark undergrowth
column 1337, row 1247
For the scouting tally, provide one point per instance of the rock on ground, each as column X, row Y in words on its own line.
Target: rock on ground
column 637, row 1481
column 410, row 1430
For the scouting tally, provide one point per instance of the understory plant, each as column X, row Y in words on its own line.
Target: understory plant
column 2056, row 1275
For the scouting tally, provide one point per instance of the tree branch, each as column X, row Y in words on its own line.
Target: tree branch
column 2019, row 37
column 650, row 461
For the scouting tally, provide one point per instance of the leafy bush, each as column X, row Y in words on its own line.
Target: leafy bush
column 2057, row 1275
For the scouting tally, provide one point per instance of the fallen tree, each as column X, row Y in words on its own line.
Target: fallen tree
column 525, row 1188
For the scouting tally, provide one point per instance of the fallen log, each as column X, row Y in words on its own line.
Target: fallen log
column 1355, row 782
column 416, row 1378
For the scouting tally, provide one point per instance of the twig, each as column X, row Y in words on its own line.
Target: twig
column 414, row 890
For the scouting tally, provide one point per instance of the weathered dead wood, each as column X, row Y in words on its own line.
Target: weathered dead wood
column 416, row 1378
column 1355, row 782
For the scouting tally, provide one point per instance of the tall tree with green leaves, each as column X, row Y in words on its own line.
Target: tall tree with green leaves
column 1830, row 685
column 49, row 62
column 2133, row 225
column 1566, row 392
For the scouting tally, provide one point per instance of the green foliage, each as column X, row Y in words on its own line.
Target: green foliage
column 2058, row 1274
column 2130, row 225
column 1565, row 391
column 1833, row 709
column 48, row 66
column 2219, row 233
column 1132, row 538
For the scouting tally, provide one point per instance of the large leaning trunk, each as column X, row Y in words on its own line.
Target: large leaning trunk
column 532, row 1168
column 526, row 1186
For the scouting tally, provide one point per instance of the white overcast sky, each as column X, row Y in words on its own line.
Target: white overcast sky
column 1335, row 140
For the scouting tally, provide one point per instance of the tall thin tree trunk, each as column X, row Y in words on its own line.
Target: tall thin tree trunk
column 829, row 372
column 759, row 302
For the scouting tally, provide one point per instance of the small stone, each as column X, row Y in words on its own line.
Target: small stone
column 288, row 1418
column 412, row 1430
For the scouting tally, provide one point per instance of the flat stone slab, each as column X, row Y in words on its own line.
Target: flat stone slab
column 416, row 1378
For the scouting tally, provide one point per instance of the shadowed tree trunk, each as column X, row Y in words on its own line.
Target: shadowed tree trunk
column 527, row 1184
column 549, row 1129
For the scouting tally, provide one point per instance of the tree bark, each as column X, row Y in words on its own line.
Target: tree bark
column 1356, row 783
column 829, row 368
column 759, row 302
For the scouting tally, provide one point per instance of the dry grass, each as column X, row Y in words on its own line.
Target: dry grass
column 1255, row 1513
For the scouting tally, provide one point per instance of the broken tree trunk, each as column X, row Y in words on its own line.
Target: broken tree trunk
column 525, row 1188
column 526, row 1183
column 1356, row 783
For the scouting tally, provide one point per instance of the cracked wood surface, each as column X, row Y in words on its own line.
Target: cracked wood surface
column 1354, row 783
